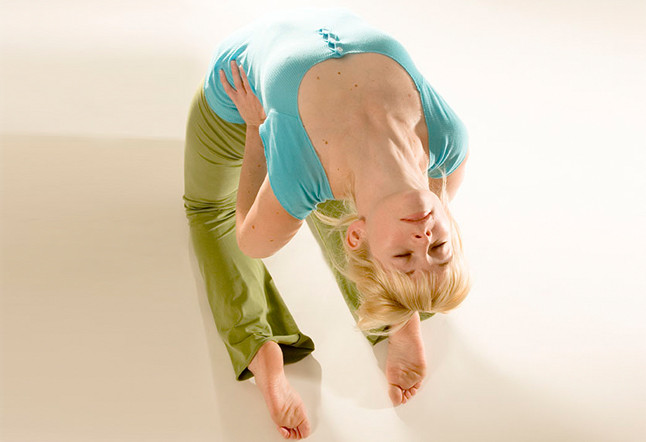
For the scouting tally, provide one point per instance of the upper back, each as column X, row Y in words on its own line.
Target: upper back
column 277, row 51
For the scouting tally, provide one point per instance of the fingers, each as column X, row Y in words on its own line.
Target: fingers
column 236, row 76
column 227, row 87
column 248, row 105
column 245, row 80
column 238, row 83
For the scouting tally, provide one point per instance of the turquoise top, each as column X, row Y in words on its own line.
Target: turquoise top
column 276, row 51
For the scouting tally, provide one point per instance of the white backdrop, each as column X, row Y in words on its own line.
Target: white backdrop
column 128, row 67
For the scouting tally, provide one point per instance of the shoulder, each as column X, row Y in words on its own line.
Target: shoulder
column 295, row 174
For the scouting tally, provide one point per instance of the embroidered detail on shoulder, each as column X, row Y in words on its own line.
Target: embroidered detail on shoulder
column 332, row 40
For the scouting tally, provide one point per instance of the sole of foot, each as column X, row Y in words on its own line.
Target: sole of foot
column 283, row 402
column 406, row 362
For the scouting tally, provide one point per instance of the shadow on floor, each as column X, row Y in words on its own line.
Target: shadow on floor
column 242, row 401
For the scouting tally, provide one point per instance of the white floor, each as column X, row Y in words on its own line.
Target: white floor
column 106, row 330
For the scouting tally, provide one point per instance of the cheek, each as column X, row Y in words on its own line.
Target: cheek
column 446, row 229
column 380, row 237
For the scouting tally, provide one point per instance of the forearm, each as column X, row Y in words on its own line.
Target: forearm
column 252, row 174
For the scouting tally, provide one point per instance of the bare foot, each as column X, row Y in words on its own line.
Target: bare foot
column 285, row 405
column 406, row 362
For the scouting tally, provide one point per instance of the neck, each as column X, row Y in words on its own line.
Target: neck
column 392, row 160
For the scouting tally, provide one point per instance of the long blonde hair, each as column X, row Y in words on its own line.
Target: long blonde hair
column 389, row 298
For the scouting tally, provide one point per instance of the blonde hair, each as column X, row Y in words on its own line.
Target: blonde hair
column 389, row 298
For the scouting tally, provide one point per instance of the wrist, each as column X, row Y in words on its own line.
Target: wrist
column 254, row 124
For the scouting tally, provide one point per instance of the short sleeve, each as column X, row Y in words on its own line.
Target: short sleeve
column 448, row 138
column 295, row 172
column 455, row 141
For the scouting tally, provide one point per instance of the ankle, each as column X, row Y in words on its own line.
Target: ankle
column 268, row 362
column 412, row 327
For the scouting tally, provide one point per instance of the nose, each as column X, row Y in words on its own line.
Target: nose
column 427, row 234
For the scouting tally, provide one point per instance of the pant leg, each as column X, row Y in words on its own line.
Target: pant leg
column 331, row 243
column 247, row 308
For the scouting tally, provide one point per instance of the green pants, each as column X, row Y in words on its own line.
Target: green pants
column 247, row 309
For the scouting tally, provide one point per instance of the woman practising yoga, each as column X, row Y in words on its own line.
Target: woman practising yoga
column 315, row 115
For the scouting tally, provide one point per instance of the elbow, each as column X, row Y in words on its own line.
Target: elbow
column 247, row 247
column 242, row 245
column 249, row 252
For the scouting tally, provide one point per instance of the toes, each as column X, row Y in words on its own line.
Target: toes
column 304, row 429
column 290, row 433
column 396, row 395
column 399, row 395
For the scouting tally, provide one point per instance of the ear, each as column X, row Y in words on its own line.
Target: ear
column 355, row 234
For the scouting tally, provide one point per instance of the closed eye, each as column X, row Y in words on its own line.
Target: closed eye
column 405, row 255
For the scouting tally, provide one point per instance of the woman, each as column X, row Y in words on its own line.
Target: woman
column 315, row 115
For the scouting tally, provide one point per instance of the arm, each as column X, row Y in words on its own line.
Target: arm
column 267, row 227
column 254, row 164
column 453, row 181
column 263, row 226
column 252, row 174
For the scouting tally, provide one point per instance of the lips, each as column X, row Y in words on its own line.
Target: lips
column 418, row 217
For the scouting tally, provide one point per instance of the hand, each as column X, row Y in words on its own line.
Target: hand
column 247, row 103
